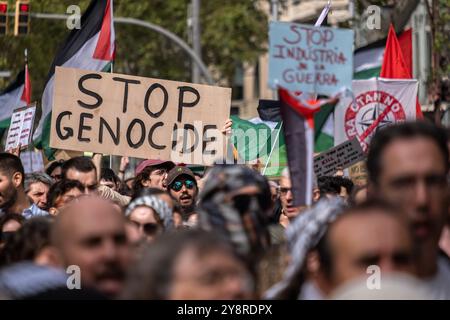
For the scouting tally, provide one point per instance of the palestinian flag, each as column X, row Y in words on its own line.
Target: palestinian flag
column 260, row 142
column 92, row 47
column 298, row 117
column 367, row 61
column 299, row 136
column 16, row 95
column 269, row 110
column 324, row 128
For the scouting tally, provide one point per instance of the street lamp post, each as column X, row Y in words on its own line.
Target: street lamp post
column 173, row 37
column 196, row 39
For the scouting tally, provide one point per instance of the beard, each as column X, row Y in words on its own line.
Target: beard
column 8, row 198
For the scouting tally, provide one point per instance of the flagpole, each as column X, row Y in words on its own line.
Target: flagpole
column 273, row 148
column 110, row 156
column 318, row 23
column 26, row 72
column 27, row 75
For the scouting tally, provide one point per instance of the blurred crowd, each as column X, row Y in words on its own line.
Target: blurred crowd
column 80, row 230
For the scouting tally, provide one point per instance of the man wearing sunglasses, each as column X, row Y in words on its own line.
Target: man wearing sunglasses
column 182, row 186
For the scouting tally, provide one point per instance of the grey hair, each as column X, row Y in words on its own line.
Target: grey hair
column 273, row 184
column 35, row 177
column 285, row 173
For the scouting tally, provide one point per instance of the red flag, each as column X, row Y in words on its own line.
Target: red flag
column 405, row 41
column 26, row 94
column 394, row 65
column 105, row 49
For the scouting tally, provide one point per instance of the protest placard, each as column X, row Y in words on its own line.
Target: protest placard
column 310, row 59
column 32, row 161
column 21, row 128
column 138, row 117
column 339, row 157
column 358, row 174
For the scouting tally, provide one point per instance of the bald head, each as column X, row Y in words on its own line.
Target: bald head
column 366, row 236
column 90, row 234
column 83, row 214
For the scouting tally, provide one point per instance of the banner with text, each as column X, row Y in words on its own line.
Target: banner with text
column 20, row 128
column 310, row 59
column 138, row 117
column 377, row 103
column 338, row 158
column 32, row 161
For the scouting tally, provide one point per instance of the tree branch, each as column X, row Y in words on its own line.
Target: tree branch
column 430, row 13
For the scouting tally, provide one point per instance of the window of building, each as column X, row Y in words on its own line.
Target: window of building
column 238, row 84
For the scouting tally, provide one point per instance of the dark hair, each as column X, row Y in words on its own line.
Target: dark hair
column 10, row 216
column 109, row 175
column 145, row 174
column 333, row 184
column 10, row 164
column 124, row 189
column 152, row 277
column 141, row 177
column 82, row 164
column 53, row 166
column 407, row 130
column 274, row 218
column 328, row 184
column 60, row 188
column 343, row 182
column 28, row 241
column 324, row 248
column 346, row 183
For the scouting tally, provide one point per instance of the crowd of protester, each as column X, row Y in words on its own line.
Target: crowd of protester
column 229, row 233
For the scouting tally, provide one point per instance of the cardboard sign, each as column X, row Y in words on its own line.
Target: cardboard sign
column 358, row 173
column 138, row 117
column 339, row 157
column 310, row 59
column 21, row 128
column 32, row 161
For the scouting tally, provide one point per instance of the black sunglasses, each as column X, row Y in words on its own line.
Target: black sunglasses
column 149, row 229
column 242, row 202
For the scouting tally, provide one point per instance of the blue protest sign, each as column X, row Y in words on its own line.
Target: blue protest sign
column 310, row 59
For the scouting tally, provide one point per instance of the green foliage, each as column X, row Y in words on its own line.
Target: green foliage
column 442, row 37
column 233, row 32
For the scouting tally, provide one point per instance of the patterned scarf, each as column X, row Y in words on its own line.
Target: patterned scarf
column 303, row 234
column 247, row 231
column 160, row 206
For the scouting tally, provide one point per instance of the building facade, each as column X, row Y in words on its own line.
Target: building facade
column 251, row 79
